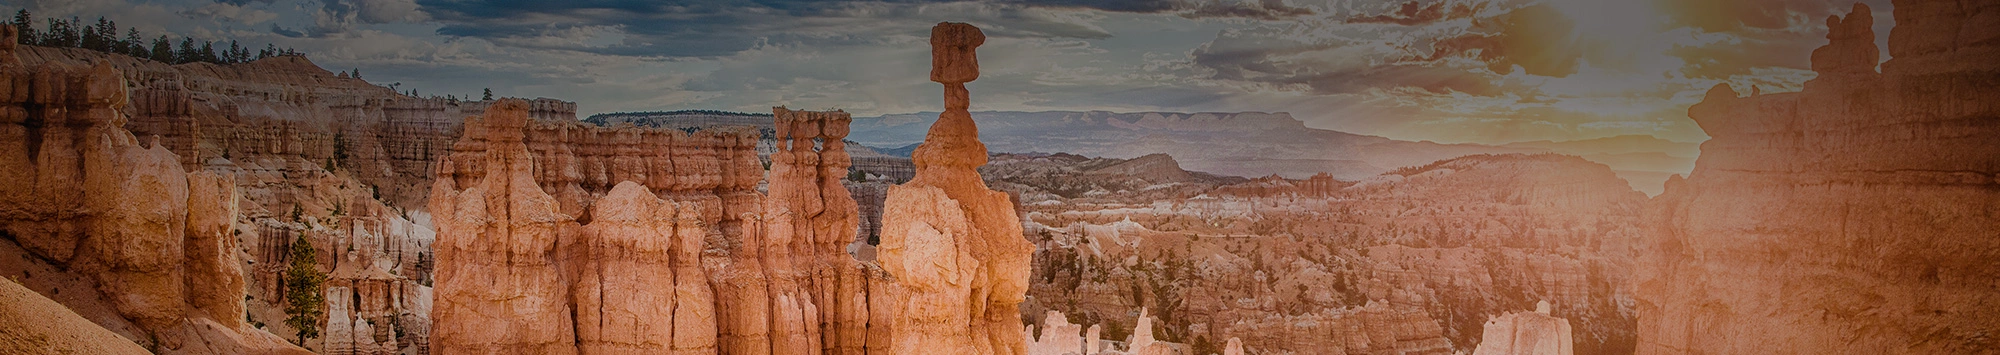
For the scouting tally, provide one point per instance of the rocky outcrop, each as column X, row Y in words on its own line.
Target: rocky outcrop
column 38, row 325
column 90, row 198
column 1855, row 216
column 680, row 255
column 338, row 159
column 1058, row 337
column 955, row 247
column 1526, row 333
column 499, row 282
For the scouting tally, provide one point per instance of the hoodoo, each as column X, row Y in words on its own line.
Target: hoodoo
column 560, row 237
column 953, row 245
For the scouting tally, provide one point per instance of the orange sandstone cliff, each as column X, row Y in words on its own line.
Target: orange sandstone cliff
column 1856, row 216
column 111, row 225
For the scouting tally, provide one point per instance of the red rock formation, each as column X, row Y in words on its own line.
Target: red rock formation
column 808, row 197
column 88, row 196
column 1058, row 337
column 1450, row 243
column 631, row 262
column 37, row 325
column 1526, row 333
column 500, row 278
column 354, row 159
column 1855, row 216
column 624, row 298
column 954, row 246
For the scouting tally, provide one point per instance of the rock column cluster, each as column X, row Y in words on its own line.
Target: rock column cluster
column 811, row 219
column 953, row 245
column 500, row 286
column 514, row 261
column 1855, row 216
column 680, row 255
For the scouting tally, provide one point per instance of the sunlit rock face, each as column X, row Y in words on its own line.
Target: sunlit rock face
column 1526, row 333
column 954, row 247
column 1058, row 336
column 344, row 162
column 558, row 237
column 1855, row 216
column 144, row 247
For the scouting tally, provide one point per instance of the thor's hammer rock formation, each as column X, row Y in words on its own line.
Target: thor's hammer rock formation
column 953, row 245
column 1854, row 217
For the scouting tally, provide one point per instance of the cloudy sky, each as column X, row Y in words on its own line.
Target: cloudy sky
column 1487, row 71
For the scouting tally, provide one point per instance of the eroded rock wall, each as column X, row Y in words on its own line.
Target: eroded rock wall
column 656, row 239
column 96, row 202
column 338, row 159
column 1855, row 216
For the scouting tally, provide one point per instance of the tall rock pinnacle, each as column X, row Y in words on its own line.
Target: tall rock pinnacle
column 953, row 245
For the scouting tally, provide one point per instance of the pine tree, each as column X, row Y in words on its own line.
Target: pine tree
column 185, row 54
column 163, row 50
column 56, row 35
column 90, row 38
column 207, row 53
column 24, row 27
column 133, row 44
column 303, row 289
column 107, row 35
column 70, row 38
column 488, row 96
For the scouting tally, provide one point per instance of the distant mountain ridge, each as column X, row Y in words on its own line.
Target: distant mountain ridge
column 1246, row 144
column 1644, row 161
column 683, row 119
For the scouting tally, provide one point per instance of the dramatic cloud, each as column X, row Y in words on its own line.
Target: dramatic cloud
column 1415, row 13
column 1488, row 71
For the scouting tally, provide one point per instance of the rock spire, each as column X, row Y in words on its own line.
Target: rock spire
column 953, row 245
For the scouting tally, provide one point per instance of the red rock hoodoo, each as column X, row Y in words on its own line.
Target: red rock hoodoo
column 953, row 245
column 561, row 237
